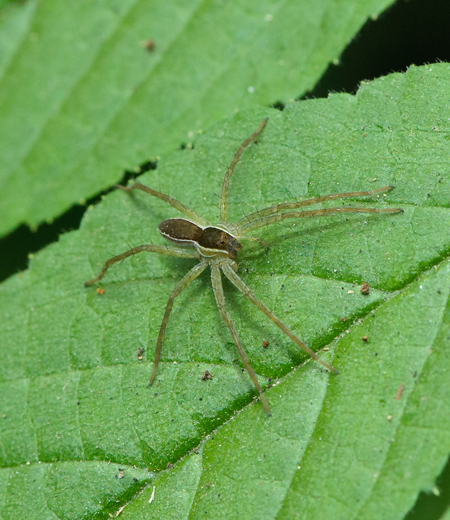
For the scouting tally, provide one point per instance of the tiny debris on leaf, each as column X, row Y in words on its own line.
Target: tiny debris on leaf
column 399, row 392
column 206, row 376
column 150, row 45
column 365, row 288
column 152, row 495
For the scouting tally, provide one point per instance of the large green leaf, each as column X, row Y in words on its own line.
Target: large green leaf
column 362, row 444
column 81, row 99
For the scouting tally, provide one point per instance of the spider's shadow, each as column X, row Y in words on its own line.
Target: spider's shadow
column 283, row 234
column 141, row 205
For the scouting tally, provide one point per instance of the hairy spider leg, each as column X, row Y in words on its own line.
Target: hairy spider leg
column 223, row 204
column 181, row 285
column 149, row 248
column 216, row 280
column 190, row 213
column 256, row 215
column 239, row 284
column 278, row 217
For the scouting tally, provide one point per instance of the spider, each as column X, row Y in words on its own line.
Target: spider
column 217, row 246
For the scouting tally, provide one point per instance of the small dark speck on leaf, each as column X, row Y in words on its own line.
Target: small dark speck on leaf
column 150, row 45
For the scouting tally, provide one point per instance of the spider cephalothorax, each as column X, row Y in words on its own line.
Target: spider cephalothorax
column 216, row 246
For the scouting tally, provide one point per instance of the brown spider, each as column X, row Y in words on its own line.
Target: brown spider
column 217, row 246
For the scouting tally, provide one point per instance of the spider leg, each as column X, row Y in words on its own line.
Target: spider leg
column 256, row 215
column 190, row 213
column 223, row 204
column 181, row 285
column 237, row 282
column 149, row 248
column 278, row 217
column 220, row 299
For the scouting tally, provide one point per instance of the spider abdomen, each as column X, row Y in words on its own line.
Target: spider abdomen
column 181, row 231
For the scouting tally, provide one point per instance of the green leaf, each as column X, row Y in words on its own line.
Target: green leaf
column 14, row 23
column 346, row 446
column 82, row 99
column 81, row 489
column 362, row 444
